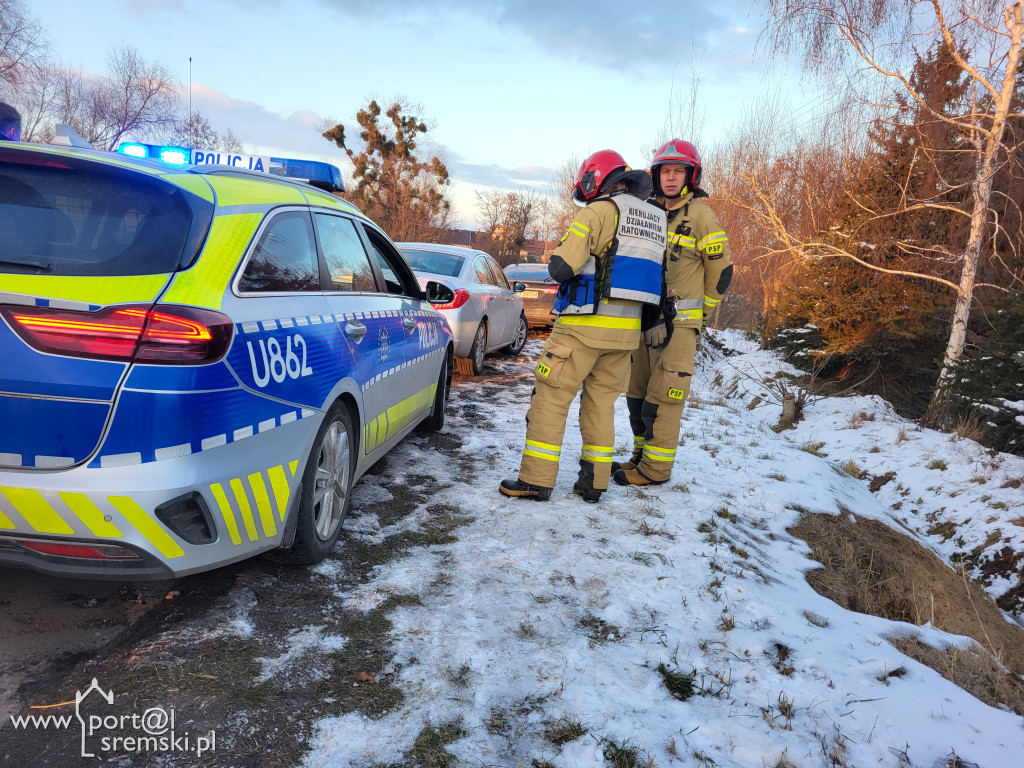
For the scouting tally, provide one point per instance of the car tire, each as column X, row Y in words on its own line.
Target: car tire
column 474, row 364
column 435, row 421
column 326, row 489
column 519, row 338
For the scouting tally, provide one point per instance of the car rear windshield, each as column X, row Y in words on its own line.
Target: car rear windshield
column 434, row 262
column 533, row 272
column 67, row 216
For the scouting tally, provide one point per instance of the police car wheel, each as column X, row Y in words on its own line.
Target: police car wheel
column 326, row 487
column 435, row 421
column 519, row 339
column 474, row 364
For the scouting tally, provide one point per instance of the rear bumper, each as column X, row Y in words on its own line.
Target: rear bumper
column 160, row 519
column 463, row 325
column 538, row 311
column 144, row 568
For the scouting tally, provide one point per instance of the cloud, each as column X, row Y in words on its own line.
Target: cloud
column 605, row 33
column 143, row 9
column 491, row 175
column 262, row 130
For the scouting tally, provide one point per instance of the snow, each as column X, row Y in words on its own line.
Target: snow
column 299, row 642
column 565, row 609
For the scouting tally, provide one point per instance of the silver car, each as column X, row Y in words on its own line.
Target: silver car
column 486, row 314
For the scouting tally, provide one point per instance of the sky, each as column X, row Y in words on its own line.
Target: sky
column 513, row 88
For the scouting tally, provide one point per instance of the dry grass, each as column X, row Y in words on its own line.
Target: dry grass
column 972, row 669
column 873, row 569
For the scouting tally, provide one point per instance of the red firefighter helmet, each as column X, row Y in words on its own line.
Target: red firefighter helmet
column 604, row 168
column 676, row 151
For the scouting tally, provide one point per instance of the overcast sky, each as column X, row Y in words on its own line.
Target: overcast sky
column 514, row 88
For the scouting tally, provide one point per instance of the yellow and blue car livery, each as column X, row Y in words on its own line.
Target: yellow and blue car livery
column 171, row 340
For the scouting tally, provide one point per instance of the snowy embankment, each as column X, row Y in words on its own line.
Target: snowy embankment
column 547, row 616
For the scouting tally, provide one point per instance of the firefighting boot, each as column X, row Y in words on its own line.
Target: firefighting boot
column 516, row 488
column 634, row 460
column 634, row 477
column 584, row 485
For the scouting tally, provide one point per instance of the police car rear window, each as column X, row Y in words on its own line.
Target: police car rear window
column 65, row 216
column 434, row 262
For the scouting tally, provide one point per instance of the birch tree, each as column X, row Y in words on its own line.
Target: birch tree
column 843, row 39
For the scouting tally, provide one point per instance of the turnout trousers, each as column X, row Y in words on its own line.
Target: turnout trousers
column 565, row 365
column 659, row 382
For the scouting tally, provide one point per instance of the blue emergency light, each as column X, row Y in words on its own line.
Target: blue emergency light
column 323, row 175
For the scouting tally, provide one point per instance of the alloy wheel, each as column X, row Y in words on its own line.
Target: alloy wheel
column 331, row 482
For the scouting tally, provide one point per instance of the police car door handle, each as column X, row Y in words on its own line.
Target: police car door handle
column 409, row 323
column 356, row 331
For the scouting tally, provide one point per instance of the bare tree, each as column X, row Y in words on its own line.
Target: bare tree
column 776, row 186
column 196, row 131
column 562, row 208
column 231, row 143
column 986, row 38
column 21, row 41
column 508, row 216
column 38, row 92
column 135, row 98
column 686, row 114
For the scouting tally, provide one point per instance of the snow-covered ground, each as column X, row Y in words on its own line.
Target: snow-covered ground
column 561, row 612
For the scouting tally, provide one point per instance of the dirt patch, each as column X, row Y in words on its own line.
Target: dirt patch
column 871, row 568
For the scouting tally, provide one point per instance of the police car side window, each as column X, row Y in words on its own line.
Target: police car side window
column 284, row 259
column 348, row 266
column 397, row 274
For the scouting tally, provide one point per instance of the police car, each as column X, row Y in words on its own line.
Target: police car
column 196, row 361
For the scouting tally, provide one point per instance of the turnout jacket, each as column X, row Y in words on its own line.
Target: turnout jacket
column 698, row 263
column 616, row 325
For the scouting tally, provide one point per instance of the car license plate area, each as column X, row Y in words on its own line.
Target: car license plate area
column 529, row 294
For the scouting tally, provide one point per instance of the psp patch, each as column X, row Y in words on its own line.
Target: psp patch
column 544, row 370
column 677, row 394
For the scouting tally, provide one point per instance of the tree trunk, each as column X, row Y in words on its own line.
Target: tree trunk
column 982, row 193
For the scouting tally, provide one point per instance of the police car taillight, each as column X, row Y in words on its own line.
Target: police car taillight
column 161, row 335
column 461, row 297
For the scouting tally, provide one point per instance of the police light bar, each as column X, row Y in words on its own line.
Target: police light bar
column 323, row 175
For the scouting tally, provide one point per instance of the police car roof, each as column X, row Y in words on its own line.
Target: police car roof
column 159, row 167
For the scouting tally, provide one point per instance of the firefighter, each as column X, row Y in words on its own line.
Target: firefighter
column 10, row 123
column 609, row 265
column 698, row 269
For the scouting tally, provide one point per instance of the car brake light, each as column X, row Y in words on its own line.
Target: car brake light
column 81, row 551
column 551, row 289
column 461, row 297
column 162, row 335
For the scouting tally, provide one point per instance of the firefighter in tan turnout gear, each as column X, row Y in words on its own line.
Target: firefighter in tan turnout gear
column 698, row 269
column 609, row 265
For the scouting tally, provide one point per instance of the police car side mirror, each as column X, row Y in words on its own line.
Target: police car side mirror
column 439, row 293
column 518, row 287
